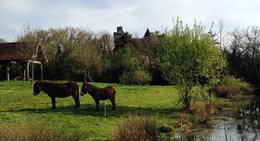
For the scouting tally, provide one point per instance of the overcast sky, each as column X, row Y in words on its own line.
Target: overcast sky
column 134, row 15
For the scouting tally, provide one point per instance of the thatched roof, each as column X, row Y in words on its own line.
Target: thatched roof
column 22, row 51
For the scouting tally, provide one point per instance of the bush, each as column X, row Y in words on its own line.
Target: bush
column 139, row 77
column 199, row 114
column 231, row 87
column 137, row 129
column 225, row 91
column 237, row 84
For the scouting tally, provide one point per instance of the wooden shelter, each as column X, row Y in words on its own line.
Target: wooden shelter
column 25, row 54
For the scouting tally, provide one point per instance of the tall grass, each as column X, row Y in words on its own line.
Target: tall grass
column 137, row 129
column 34, row 131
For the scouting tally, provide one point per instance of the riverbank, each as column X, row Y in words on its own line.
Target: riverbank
column 231, row 122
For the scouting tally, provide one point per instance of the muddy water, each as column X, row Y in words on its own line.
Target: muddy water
column 244, row 126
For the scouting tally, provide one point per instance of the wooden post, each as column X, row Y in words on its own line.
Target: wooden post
column 24, row 73
column 28, row 71
column 8, row 72
column 32, row 71
column 41, row 71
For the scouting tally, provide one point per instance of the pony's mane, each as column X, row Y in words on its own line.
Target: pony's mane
column 92, row 86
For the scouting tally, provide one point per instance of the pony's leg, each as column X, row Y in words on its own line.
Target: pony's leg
column 53, row 101
column 112, row 100
column 76, row 99
column 209, row 93
column 97, row 104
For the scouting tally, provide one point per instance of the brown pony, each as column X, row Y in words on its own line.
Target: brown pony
column 60, row 90
column 99, row 94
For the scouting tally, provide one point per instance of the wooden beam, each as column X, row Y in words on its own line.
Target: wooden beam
column 35, row 62
column 41, row 71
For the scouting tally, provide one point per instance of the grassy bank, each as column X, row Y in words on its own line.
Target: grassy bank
column 19, row 106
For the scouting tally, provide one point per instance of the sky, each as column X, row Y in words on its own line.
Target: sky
column 135, row 16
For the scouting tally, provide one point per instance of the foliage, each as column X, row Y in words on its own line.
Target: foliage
column 139, row 77
column 188, row 57
column 238, row 84
column 136, row 128
column 128, row 68
column 80, row 52
column 87, row 59
column 154, row 54
column 95, row 55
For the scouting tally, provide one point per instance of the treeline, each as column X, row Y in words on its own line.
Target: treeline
column 197, row 55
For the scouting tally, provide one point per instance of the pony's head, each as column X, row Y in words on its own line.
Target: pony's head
column 84, row 89
column 37, row 88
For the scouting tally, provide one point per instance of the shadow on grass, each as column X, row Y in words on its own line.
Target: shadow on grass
column 89, row 110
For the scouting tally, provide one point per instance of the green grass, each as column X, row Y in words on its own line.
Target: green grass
column 19, row 105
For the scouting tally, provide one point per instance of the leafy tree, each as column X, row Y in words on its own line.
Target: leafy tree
column 80, row 51
column 188, row 57
column 87, row 58
column 128, row 69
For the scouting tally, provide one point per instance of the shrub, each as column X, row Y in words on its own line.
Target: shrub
column 139, row 77
column 34, row 131
column 137, row 129
column 199, row 113
column 231, row 87
column 237, row 84
column 225, row 91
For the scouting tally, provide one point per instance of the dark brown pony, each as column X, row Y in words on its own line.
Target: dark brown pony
column 60, row 90
column 99, row 94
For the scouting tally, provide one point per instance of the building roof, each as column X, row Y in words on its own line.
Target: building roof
column 22, row 51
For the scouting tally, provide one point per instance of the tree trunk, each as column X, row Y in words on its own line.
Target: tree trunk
column 85, row 75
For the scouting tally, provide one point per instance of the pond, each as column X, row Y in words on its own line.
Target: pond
column 244, row 126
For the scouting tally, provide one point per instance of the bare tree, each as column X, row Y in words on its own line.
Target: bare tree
column 222, row 35
column 104, row 42
column 244, row 55
column 2, row 40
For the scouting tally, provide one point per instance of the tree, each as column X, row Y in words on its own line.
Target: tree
column 86, row 57
column 188, row 57
column 222, row 37
column 2, row 40
column 244, row 54
column 127, row 68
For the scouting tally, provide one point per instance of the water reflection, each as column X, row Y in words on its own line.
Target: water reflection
column 245, row 126
column 249, row 129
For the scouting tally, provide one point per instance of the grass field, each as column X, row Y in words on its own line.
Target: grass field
column 18, row 105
